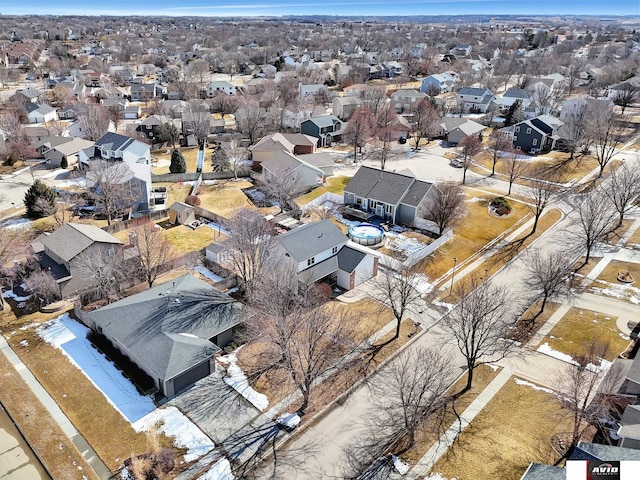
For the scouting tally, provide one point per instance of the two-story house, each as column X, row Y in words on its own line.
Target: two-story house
column 343, row 107
column 294, row 143
column 437, row 83
column 148, row 128
column 327, row 129
column 114, row 147
column 396, row 197
column 214, row 88
column 404, row 99
column 61, row 253
column 143, row 92
column 474, row 100
column 536, row 135
column 322, row 253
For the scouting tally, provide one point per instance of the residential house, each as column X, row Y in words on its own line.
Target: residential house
column 61, row 253
column 324, row 254
column 597, row 451
column 437, row 83
column 143, row 92
column 68, row 149
column 509, row 97
column 131, row 112
column 148, row 128
column 24, row 95
column 455, row 129
column 214, row 88
column 173, row 92
column 172, row 331
column 283, row 164
column 308, row 93
column 135, row 154
column 396, row 197
column 404, row 99
column 536, row 135
column 461, row 50
column 392, row 69
column 34, row 134
column 475, row 100
column 68, row 113
column 578, row 106
column 321, row 160
column 295, row 143
column 629, row 430
column 174, row 108
column 117, row 104
column 49, row 142
column 40, row 113
column 343, row 107
column 327, row 129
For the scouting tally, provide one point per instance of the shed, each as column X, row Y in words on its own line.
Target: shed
column 181, row 213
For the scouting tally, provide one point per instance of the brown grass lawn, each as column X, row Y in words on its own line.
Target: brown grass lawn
column 225, row 200
column 176, row 192
column 525, row 329
column 57, row 452
column 578, row 328
column 474, row 231
column 586, row 270
column 111, row 436
column 334, row 185
column 191, row 157
column 610, row 273
column 428, row 433
column 510, row 432
column 634, row 240
column 185, row 239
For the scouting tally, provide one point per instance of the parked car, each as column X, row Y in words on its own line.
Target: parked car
column 402, row 140
column 457, row 163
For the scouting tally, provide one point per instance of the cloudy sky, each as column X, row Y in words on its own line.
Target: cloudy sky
column 324, row 7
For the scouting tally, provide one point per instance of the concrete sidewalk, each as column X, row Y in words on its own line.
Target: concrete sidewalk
column 54, row 410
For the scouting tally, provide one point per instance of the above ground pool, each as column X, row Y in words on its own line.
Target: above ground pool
column 367, row 234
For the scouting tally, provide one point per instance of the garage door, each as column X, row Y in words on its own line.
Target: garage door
column 191, row 376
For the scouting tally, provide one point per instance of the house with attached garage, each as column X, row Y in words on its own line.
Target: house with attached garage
column 294, row 143
column 404, row 99
column 40, row 113
column 216, row 87
column 283, row 164
column 437, row 83
column 61, row 253
column 327, row 129
column 171, row 331
column 324, row 254
column 536, row 135
column 69, row 150
column 455, row 129
column 396, row 197
column 476, row 100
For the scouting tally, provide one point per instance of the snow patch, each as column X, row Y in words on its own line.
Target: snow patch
column 547, row 350
column 534, row 386
column 14, row 296
column 448, row 306
column 221, row 470
column 401, row 467
column 492, row 366
column 237, row 380
column 15, row 223
column 289, row 420
column 205, row 272
column 421, row 283
column 24, row 343
column 406, row 245
column 174, row 424
column 437, row 476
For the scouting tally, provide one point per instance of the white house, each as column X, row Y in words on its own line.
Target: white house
column 40, row 113
column 216, row 87
column 474, row 99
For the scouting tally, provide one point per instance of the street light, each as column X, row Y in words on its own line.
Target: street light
column 453, row 273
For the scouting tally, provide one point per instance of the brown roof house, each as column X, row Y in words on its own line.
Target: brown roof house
column 172, row 331
column 61, row 253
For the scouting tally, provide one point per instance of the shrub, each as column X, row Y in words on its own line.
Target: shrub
column 193, row 200
column 501, row 206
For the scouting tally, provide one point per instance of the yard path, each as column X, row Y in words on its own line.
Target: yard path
column 56, row 413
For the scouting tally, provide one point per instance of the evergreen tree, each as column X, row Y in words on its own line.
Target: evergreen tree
column 40, row 200
column 64, row 163
column 515, row 114
column 178, row 165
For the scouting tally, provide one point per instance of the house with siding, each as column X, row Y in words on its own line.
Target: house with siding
column 455, row 129
column 536, row 135
column 404, row 99
column 284, row 164
column 172, row 331
column 476, row 100
column 438, row 83
column 343, row 107
column 396, row 197
column 69, row 150
column 327, row 129
column 40, row 113
column 216, row 87
column 295, row 143
column 322, row 253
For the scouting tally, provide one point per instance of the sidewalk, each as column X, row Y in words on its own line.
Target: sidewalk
column 54, row 410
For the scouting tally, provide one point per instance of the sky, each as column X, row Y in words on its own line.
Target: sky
column 318, row 7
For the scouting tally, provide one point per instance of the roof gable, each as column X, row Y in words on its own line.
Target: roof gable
column 311, row 239
column 379, row 185
column 71, row 239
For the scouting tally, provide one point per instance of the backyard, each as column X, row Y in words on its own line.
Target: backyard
column 333, row 185
column 161, row 160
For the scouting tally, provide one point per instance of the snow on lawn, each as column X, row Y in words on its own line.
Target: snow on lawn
column 69, row 336
column 438, row 303
column 405, row 245
column 11, row 294
column 401, row 467
column 174, row 424
column 205, row 272
column 547, row 350
column 534, row 386
column 237, row 380
column 13, row 223
column 421, row 283
column 624, row 292
column 289, row 420
column 221, row 470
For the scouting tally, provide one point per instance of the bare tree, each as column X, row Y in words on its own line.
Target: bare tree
column 359, row 129
column 586, row 390
column 541, row 192
column 196, row 120
column 548, row 273
column 479, row 324
column 605, row 132
column 250, row 245
column 42, row 284
column 424, row 122
column 406, row 394
column 156, row 252
column 596, row 216
column 103, row 273
column 300, row 338
column 11, row 122
column 498, row 145
column 515, row 169
column 397, row 292
column 94, row 121
column 375, row 98
column 625, row 95
column 385, row 128
column 622, row 188
column 574, row 131
column 282, row 187
column 112, row 186
column 251, row 120
column 470, row 146
column 448, row 206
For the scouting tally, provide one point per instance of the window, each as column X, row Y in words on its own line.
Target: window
column 389, row 208
column 358, row 201
column 373, row 204
column 334, row 250
column 535, row 141
column 517, row 129
column 528, row 131
column 311, row 261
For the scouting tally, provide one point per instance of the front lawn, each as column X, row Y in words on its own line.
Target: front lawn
column 577, row 329
column 512, row 430
column 610, row 272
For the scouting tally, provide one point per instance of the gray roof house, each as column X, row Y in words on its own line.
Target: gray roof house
column 404, row 99
column 343, row 107
column 474, row 99
column 323, row 253
column 397, row 197
column 285, row 164
column 536, row 135
column 455, row 129
column 58, row 252
column 437, row 83
column 172, row 331
column 68, row 150
column 326, row 129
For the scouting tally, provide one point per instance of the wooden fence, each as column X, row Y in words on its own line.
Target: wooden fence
column 192, row 177
column 136, row 222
